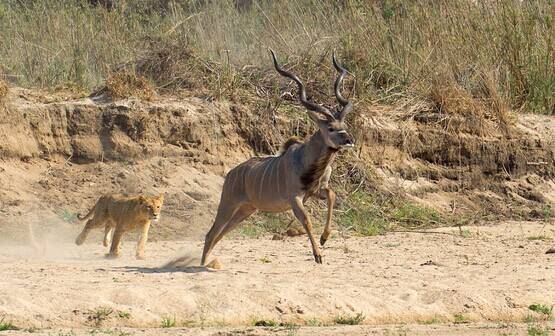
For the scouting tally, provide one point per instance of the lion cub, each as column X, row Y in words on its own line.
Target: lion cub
column 122, row 213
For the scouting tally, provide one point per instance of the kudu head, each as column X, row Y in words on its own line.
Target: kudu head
column 332, row 126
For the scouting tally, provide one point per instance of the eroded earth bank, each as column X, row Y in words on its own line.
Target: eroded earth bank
column 59, row 153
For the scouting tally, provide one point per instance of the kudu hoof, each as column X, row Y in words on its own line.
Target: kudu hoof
column 318, row 259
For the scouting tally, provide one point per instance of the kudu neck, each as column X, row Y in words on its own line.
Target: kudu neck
column 316, row 149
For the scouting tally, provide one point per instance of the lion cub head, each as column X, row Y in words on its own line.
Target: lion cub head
column 153, row 206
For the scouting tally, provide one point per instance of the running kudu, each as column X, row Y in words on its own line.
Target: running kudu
column 280, row 183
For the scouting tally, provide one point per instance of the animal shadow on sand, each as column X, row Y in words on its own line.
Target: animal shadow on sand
column 185, row 264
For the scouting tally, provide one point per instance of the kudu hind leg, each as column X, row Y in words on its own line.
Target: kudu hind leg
column 302, row 216
column 224, row 215
column 330, row 196
column 240, row 215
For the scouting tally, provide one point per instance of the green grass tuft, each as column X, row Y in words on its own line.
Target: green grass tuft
column 168, row 322
column 6, row 325
column 350, row 320
column 460, row 319
column 535, row 329
column 541, row 309
column 265, row 323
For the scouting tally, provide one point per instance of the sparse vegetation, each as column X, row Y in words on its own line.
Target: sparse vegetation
column 373, row 214
column 169, row 322
column 413, row 215
column 314, row 322
column 272, row 323
column 350, row 320
column 536, row 329
column 264, row 323
column 124, row 314
column 433, row 320
column 7, row 325
column 460, row 319
column 465, row 233
column 99, row 315
column 541, row 309
column 366, row 215
column 66, row 333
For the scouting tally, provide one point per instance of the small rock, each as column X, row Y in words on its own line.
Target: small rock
column 550, row 251
column 277, row 237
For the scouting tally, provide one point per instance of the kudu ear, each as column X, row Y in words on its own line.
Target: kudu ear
column 318, row 119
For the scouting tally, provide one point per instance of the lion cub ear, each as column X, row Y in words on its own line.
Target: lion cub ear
column 142, row 198
column 161, row 196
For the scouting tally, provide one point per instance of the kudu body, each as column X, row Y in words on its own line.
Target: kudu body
column 284, row 182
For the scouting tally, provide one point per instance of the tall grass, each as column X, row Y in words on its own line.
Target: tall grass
column 396, row 48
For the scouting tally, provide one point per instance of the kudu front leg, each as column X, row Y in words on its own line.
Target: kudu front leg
column 302, row 216
column 330, row 196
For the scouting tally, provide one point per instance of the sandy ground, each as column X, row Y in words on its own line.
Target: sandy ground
column 471, row 329
column 487, row 277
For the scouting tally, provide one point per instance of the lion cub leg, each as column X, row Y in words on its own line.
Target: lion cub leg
column 116, row 241
column 142, row 241
column 107, row 231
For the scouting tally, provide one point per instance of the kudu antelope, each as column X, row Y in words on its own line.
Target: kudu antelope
column 280, row 183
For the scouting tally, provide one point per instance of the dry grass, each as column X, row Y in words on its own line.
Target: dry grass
column 3, row 90
column 396, row 48
column 125, row 84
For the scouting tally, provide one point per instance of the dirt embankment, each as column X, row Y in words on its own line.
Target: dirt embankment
column 59, row 153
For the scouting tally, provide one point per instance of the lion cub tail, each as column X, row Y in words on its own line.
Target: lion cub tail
column 87, row 216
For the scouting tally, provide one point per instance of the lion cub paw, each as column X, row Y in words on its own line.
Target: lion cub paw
column 111, row 255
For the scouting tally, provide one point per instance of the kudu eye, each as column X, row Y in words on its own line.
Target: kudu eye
column 330, row 129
